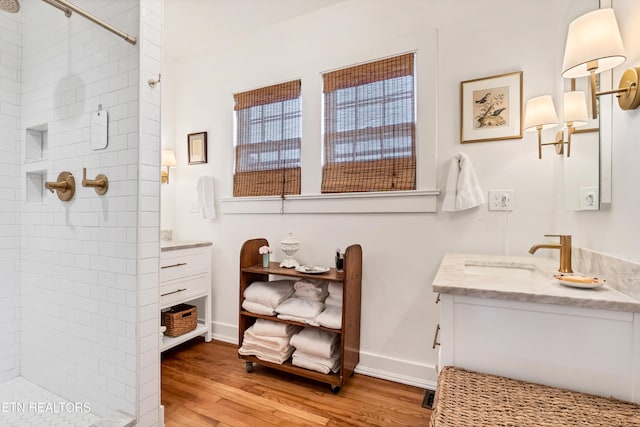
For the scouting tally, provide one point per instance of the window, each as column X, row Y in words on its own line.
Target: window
column 369, row 127
column 268, row 141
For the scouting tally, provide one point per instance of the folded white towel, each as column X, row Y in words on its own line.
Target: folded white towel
column 257, row 308
column 312, row 295
column 306, row 320
column 331, row 317
column 265, row 354
column 315, row 291
column 300, row 307
column 333, row 301
column 270, row 343
column 206, row 197
column 319, row 285
column 335, row 289
column 463, row 190
column 320, row 364
column 316, row 342
column 269, row 328
column 269, row 294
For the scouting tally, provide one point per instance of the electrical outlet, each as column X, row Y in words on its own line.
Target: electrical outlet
column 500, row 200
column 589, row 198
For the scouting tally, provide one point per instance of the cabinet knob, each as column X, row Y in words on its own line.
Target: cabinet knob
column 435, row 336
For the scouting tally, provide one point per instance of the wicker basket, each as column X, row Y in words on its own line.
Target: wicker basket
column 466, row 398
column 180, row 319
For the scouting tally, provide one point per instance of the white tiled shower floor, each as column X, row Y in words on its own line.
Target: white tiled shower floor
column 24, row 404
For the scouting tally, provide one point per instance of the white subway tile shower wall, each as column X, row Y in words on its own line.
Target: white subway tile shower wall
column 10, row 48
column 149, row 214
column 79, row 258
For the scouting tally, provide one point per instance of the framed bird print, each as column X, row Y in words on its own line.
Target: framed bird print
column 491, row 108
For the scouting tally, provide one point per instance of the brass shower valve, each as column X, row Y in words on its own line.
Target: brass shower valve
column 65, row 186
column 100, row 183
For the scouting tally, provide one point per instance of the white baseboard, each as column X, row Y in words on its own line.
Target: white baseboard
column 224, row 332
column 374, row 365
column 397, row 370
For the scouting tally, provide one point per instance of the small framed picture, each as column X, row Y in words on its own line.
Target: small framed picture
column 197, row 148
column 491, row 108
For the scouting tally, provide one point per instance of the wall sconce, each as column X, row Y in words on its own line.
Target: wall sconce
column 168, row 161
column 575, row 114
column 594, row 45
column 540, row 113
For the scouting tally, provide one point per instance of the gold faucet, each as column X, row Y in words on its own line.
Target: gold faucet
column 565, row 251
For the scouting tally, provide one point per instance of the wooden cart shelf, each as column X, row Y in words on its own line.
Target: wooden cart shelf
column 291, row 322
column 251, row 270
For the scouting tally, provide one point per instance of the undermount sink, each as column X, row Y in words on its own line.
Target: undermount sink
column 500, row 269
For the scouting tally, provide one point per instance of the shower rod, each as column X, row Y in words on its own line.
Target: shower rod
column 67, row 7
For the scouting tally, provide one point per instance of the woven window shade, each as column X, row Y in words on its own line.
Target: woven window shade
column 268, row 141
column 370, row 127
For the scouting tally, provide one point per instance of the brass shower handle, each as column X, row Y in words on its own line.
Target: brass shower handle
column 101, row 183
column 65, row 186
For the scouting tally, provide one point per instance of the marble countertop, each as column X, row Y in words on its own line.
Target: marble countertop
column 472, row 275
column 173, row 245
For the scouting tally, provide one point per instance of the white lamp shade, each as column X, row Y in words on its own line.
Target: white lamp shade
column 540, row 111
column 575, row 108
column 168, row 158
column 593, row 36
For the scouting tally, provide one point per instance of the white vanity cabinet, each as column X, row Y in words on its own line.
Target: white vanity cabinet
column 580, row 339
column 185, row 277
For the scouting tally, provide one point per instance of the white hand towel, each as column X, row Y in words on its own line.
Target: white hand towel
column 463, row 189
column 320, row 364
column 316, row 342
column 331, row 317
column 270, row 343
column 333, row 301
column 206, row 197
column 257, row 308
column 269, row 294
column 335, row 289
column 300, row 307
column 269, row 328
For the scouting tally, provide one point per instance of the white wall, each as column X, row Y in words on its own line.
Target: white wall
column 401, row 251
column 79, row 258
column 614, row 229
column 10, row 68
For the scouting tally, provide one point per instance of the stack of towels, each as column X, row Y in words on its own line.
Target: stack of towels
column 306, row 304
column 269, row 341
column 316, row 350
column 331, row 317
column 264, row 297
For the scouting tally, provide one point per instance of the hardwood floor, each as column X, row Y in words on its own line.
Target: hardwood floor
column 205, row 384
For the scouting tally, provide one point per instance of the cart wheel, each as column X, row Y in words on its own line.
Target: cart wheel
column 248, row 366
column 335, row 389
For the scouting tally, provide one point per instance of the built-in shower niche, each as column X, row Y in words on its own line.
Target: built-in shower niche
column 35, row 186
column 36, row 143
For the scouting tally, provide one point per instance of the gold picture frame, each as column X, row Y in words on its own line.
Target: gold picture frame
column 491, row 108
column 197, row 148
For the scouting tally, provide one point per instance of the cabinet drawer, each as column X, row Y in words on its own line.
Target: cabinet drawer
column 181, row 290
column 183, row 263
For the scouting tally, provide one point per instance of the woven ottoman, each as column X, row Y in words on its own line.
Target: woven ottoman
column 471, row 399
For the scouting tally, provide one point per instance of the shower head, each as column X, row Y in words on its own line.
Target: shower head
column 11, row 6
